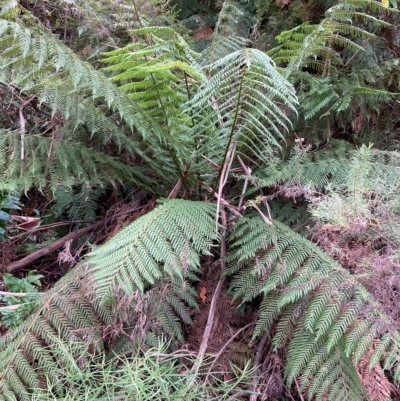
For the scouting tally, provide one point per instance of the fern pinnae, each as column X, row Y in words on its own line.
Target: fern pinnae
column 341, row 326
column 287, row 322
column 138, row 244
column 380, row 349
column 268, row 311
column 301, row 348
column 321, row 301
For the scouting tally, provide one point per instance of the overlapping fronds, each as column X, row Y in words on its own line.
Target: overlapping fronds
column 316, row 46
column 28, row 353
column 83, row 104
column 329, row 96
column 41, row 161
column 32, row 57
column 246, row 101
column 158, row 72
column 325, row 319
column 226, row 37
column 78, row 203
column 166, row 242
column 353, row 185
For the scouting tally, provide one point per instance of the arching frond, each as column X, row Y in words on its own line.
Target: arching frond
column 246, row 101
column 166, row 242
column 68, row 311
column 317, row 305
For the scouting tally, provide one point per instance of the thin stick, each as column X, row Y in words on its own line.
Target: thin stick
column 256, row 364
column 10, row 307
column 298, row 389
column 213, row 306
column 223, row 178
column 13, row 294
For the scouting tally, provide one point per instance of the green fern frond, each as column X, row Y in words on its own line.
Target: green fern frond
column 27, row 354
column 245, row 98
column 306, row 42
column 166, row 242
column 48, row 163
column 36, row 62
column 316, row 304
column 77, row 203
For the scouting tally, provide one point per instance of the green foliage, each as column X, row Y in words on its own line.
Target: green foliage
column 78, row 203
column 24, row 305
column 166, row 242
column 140, row 377
column 316, row 305
column 35, row 61
column 158, row 116
column 311, row 45
column 27, row 354
column 8, row 202
column 241, row 100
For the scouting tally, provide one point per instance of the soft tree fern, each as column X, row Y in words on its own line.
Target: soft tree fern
column 158, row 116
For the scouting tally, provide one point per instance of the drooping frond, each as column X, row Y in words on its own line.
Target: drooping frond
column 315, row 46
column 43, row 162
column 81, row 102
column 27, row 354
column 166, row 242
column 316, row 304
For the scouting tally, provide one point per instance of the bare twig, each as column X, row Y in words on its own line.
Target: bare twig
column 13, row 294
column 9, row 307
column 223, row 178
column 234, row 209
column 213, row 306
column 263, row 216
column 298, row 389
column 22, row 128
column 247, row 171
column 256, row 364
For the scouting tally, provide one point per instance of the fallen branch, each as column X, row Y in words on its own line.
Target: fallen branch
column 52, row 247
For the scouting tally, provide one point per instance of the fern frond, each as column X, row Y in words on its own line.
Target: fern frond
column 166, row 242
column 36, row 62
column 316, row 304
column 246, row 99
column 306, row 42
column 27, row 353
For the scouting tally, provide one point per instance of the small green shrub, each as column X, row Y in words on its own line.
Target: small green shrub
column 18, row 308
